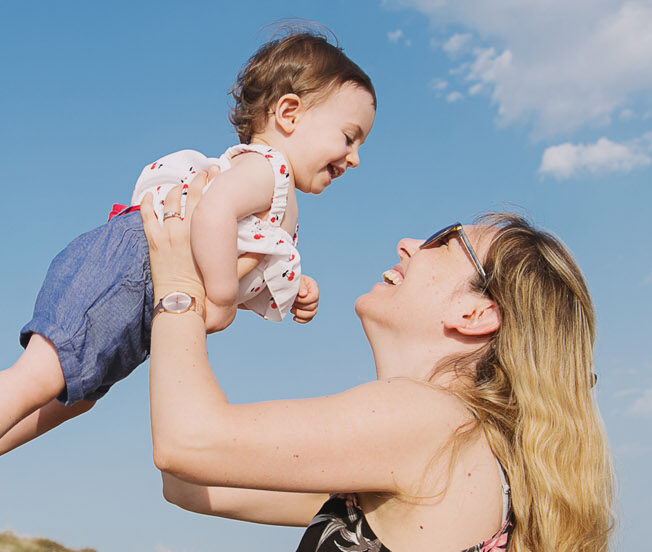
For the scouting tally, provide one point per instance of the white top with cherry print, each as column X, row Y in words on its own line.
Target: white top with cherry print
column 270, row 289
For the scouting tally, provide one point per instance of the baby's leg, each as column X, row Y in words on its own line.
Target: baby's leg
column 247, row 262
column 32, row 382
column 41, row 421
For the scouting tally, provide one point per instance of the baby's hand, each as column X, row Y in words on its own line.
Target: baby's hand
column 305, row 305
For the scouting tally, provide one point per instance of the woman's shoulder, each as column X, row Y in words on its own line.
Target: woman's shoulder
column 432, row 399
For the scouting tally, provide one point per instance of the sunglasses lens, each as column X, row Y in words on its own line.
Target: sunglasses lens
column 433, row 241
column 437, row 236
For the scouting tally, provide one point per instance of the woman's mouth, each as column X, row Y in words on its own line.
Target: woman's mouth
column 393, row 276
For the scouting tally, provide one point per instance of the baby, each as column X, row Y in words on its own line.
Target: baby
column 302, row 111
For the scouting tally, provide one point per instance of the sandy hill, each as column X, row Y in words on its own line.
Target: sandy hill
column 11, row 543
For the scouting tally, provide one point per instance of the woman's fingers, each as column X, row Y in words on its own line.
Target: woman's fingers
column 194, row 191
column 150, row 223
column 172, row 205
column 146, row 208
column 213, row 171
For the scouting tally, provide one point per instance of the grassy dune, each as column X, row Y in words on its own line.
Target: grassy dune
column 11, row 543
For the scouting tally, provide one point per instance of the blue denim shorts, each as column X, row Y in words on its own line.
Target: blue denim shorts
column 96, row 305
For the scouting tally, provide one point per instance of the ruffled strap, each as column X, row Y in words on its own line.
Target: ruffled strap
column 281, row 169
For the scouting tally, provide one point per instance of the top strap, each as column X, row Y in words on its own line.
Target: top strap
column 281, row 170
column 507, row 503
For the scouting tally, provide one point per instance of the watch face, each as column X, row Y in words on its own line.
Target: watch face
column 177, row 302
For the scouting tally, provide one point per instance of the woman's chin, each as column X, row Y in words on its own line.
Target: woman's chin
column 364, row 306
column 360, row 305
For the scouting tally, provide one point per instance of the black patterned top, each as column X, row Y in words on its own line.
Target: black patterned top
column 341, row 526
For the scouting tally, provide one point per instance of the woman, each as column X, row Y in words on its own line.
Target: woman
column 482, row 338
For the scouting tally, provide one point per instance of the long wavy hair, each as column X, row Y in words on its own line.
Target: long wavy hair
column 533, row 394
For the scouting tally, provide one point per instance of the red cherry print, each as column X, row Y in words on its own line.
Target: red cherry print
column 291, row 258
column 158, row 188
column 273, row 305
column 291, row 276
column 283, row 169
column 257, row 289
column 268, row 156
column 258, row 236
column 153, row 166
column 273, row 219
column 281, row 241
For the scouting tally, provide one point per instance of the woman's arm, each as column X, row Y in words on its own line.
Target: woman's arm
column 376, row 437
column 270, row 507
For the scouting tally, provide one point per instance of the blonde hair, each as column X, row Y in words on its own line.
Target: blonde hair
column 532, row 395
column 303, row 63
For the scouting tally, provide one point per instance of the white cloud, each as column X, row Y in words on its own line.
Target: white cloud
column 626, row 115
column 643, row 405
column 476, row 89
column 454, row 97
column 394, row 36
column 438, row 84
column 456, row 43
column 568, row 160
column 556, row 65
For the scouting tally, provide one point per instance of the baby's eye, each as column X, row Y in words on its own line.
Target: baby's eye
column 349, row 140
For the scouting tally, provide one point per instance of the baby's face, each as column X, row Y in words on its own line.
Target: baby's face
column 328, row 136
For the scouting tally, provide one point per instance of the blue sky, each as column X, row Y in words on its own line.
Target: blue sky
column 543, row 108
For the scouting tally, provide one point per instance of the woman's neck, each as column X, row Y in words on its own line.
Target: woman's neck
column 396, row 356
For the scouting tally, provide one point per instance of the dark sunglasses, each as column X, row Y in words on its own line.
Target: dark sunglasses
column 438, row 237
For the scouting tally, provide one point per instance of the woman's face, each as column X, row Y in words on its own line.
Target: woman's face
column 426, row 287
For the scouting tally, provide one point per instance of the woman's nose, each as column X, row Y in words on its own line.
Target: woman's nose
column 407, row 247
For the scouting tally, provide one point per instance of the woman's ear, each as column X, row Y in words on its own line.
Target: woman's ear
column 289, row 108
column 478, row 319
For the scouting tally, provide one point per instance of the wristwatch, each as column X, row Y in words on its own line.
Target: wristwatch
column 178, row 302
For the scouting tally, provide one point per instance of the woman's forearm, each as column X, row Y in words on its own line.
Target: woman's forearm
column 184, row 393
column 271, row 507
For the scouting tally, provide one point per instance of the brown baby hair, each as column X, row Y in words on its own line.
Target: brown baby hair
column 302, row 63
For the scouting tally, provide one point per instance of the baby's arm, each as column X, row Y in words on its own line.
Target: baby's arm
column 245, row 189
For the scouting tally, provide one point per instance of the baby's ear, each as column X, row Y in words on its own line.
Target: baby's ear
column 288, row 111
column 479, row 318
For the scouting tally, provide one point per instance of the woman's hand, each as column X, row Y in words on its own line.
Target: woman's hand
column 172, row 263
